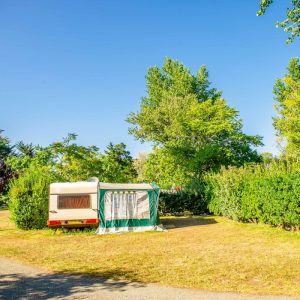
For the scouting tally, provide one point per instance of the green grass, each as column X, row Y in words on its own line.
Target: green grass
column 210, row 253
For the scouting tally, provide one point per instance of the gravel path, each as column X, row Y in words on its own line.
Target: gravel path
column 19, row 281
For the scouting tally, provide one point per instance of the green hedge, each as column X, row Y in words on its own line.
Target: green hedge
column 28, row 196
column 3, row 200
column 262, row 193
column 181, row 203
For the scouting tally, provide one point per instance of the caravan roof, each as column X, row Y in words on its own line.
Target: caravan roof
column 125, row 186
column 73, row 187
column 92, row 187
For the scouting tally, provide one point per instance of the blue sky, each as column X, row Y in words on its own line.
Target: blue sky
column 79, row 66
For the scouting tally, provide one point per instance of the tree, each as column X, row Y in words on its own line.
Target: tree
column 292, row 22
column 67, row 160
column 71, row 162
column 5, row 148
column 287, row 98
column 26, row 149
column 190, row 121
column 5, row 172
column 163, row 168
column 140, row 166
column 117, row 164
column 268, row 157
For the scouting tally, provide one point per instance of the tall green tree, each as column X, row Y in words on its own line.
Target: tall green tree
column 5, row 172
column 163, row 168
column 292, row 22
column 140, row 166
column 117, row 164
column 5, row 147
column 26, row 149
column 191, row 121
column 287, row 98
column 73, row 162
column 67, row 160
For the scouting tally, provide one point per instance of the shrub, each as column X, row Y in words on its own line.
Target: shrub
column 192, row 200
column 260, row 193
column 3, row 200
column 29, row 198
column 226, row 189
column 181, row 202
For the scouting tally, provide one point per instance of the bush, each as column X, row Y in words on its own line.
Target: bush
column 260, row 193
column 29, row 198
column 193, row 200
column 3, row 200
column 226, row 189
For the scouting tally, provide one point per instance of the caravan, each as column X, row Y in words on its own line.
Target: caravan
column 114, row 207
column 73, row 204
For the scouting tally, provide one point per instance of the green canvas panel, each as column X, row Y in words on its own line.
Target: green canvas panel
column 153, row 206
column 156, row 191
column 127, row 223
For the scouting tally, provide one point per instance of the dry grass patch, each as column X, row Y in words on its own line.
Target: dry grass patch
column 201, row 252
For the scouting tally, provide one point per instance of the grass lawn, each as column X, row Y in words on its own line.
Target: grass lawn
column 209, row 253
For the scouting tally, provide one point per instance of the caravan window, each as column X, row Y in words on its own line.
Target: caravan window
column 127, row 205
column 73, row 201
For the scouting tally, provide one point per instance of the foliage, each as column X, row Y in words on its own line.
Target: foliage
column 72, row 162
column 287, row 97
column 182, row 202
column 5, row 148
column 258, row 193
column 117, row 164
column 268, row 157
column 292, row 22
column 163, row 168
column 67, row 160
column 61, row 161
column 29, row 198
column 5, row 175
column 190, row 123
column 26, row 149
column 140, row 166
column 5, row 172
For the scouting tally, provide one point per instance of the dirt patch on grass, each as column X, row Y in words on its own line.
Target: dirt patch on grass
column 181, row 222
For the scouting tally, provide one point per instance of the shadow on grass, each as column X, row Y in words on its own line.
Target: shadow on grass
column 180, row 222
column 60, row 285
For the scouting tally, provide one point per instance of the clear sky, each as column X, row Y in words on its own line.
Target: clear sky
column 79, row 66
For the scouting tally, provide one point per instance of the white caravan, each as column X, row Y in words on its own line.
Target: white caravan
column 73, row 204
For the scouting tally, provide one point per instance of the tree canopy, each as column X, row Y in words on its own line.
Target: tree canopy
column 287, row 98
column 117, row 164
column 191, row 121
column 69, row 161
column 5, row 147
column 292, row 22
column 140, row 166
column 5, row 172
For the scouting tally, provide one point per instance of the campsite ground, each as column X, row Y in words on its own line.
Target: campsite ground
column 209, row 253
column 21, row 281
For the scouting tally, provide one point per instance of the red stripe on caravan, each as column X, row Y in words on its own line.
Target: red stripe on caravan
column 54, row 222
column 91, row 221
